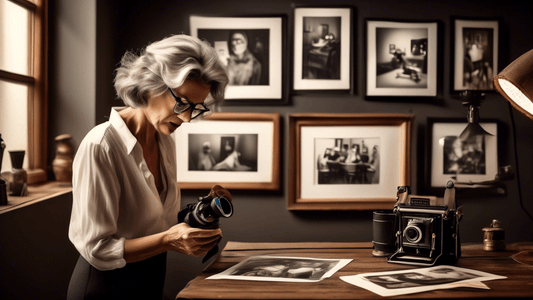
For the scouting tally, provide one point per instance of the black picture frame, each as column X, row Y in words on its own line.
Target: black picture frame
column 412, row 69
column 266, row 44
column 440, row 136
column 322, row 48
column 473, row 69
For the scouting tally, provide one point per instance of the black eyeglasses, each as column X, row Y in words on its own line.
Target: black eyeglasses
column 182, row 105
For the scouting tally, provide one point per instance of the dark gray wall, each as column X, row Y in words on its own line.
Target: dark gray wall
column 125, row 25
column 145, row 22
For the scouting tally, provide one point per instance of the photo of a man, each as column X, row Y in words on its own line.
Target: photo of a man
column 244, row 52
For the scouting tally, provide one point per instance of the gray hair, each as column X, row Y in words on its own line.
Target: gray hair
column 168, row 63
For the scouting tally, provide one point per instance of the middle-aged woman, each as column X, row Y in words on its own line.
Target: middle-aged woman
column 124, row 214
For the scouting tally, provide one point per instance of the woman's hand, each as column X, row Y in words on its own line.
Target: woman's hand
column 191, row 241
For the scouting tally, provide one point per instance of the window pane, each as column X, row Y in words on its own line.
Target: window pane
column 13, row 120
column 14, row 37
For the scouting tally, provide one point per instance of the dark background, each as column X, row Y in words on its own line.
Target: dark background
column 87, row 40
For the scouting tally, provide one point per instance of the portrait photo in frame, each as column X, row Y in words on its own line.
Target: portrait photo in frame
column 401, row 58
column 464, row 162
column 235, row 150
column 252, row 51
column 475, row 58
column 322, row 48
column 347, row 161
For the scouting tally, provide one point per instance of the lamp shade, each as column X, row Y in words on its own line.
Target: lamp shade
column 515, row 83
column 471, row 130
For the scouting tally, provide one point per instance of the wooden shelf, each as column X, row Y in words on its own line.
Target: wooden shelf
column 36, row 193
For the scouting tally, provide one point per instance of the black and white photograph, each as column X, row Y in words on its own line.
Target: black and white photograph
column 404, row 282
column 475, row 54
column 250, row 48
column 217, row 152
column 244, row 52
column 401, row 58
column 464, row 157
column 347, row 160
column 416, row 279
column 338, row 162
column 322, row 45
column 287, row 269
column 240, row 150
column 467, row 161
column 321, row 48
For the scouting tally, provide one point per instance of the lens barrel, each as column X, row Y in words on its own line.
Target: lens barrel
column 222, row 207
column 413, row 234
column 383, row 235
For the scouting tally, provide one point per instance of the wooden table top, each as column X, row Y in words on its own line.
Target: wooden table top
column 519, row 282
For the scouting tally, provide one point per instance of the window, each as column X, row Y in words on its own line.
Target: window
column 23, row 83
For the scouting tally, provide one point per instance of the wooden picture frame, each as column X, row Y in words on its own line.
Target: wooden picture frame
column 236, row 150
column 257, row 40
column 479, row 160
column 319, row 179
column 322, row 48
column 401, row 58
column 475, row 56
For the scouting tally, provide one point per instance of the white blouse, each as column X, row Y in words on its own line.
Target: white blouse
column 115, row 196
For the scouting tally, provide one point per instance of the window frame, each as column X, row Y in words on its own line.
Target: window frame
column 37, row 83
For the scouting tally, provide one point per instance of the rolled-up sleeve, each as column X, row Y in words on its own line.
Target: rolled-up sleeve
column 95, row 209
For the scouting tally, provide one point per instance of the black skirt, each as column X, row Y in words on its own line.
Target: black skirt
column 139, row 280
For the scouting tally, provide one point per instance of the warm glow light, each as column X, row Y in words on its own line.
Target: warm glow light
column 515, row 83
column 516, row 95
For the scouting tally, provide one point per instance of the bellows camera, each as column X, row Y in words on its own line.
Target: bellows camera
column 208, row 210
column 426, row 228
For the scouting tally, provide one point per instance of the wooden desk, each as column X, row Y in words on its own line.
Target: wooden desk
column 519, row 283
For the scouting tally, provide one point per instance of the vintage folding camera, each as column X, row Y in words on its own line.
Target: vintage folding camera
column 427, row 228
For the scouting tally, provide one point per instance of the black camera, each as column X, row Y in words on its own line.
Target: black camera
column 208, row 210
column 426, row 228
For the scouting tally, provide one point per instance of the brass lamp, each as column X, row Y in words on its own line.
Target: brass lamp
column 515, row 83
column 473, row 100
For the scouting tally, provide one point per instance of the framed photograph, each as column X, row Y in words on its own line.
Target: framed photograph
column 322, row 48
column 476, row 54
column 251, row 48
column 464, row 162
column 401, row 59
column 348, row 161
column 235, row 150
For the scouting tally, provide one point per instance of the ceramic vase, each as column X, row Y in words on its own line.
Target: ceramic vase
column 62, row 163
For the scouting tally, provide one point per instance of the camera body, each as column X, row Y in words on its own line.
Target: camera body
column 208, row 210
column 426, row 228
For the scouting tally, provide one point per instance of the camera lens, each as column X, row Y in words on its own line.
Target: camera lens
column 412, row 234
column 222, row 207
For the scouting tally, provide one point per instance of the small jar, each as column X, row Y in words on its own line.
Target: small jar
column 494, row 237
column 19, row 176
